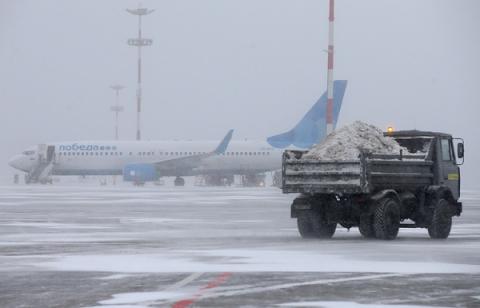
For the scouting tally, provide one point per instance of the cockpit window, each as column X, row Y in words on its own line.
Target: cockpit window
column 29, row 152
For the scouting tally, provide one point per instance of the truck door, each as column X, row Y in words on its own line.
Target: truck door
column 449, row 171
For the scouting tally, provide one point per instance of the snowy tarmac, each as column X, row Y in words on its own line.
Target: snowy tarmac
column 69, row 246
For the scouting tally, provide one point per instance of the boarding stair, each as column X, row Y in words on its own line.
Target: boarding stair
column 45, row 163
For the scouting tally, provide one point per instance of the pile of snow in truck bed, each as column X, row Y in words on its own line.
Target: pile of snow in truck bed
column 347, row 142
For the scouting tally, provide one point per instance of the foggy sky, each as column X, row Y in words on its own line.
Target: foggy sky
column 253, row 65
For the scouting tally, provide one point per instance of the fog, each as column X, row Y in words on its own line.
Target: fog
column 255, row 66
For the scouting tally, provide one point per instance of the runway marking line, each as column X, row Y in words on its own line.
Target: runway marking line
column 184, row 281
column 300, row 284
column 217, row 281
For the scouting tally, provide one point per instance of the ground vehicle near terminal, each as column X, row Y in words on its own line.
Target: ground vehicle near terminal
column 378, row 193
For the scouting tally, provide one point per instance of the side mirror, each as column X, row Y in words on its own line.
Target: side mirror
column 460, row 150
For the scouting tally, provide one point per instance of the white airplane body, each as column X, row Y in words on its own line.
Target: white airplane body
column 110, row 157
column 142, row 161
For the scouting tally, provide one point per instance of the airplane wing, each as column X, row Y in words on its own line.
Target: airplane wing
column 183, row 165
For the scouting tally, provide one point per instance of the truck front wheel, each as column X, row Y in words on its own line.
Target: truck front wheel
column 387, row 219
column 441, row 220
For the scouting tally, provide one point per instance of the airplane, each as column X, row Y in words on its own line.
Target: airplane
column 148, row 161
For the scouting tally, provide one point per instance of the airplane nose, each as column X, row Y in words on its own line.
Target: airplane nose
column 15, row 162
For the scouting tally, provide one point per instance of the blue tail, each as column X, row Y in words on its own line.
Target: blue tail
column 312, row 128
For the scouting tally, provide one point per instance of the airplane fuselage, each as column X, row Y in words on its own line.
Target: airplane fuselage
column 110, row 157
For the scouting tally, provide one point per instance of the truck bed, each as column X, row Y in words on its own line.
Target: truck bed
column 365, row 175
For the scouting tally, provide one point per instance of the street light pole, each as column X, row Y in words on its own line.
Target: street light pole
column 139, row 42
column 116, row 108
column 331, row 20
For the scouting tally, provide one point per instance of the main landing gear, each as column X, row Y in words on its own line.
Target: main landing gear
column 179, row 181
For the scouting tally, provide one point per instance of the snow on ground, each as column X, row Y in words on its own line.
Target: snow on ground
column 141, row 297
column 347, row 142
column 346, row 305
column 140, row 246
column 246, row 260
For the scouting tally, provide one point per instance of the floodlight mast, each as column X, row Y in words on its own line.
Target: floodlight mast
column 139, row 42
column 116, row 108
column 331, row 20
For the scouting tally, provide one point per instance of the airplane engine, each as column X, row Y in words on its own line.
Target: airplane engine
column 140, row 173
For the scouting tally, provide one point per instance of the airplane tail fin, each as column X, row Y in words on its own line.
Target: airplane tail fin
column 222, row 147
column 312, row 128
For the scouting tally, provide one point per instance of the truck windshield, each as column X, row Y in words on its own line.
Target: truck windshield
column 415, row 145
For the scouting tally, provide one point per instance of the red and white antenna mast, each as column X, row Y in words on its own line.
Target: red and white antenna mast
column 331, row 20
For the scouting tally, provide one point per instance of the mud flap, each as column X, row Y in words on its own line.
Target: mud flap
column 299, row 204
column 458, row 208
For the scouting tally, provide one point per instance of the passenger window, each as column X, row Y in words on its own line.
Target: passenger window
column 446, row 151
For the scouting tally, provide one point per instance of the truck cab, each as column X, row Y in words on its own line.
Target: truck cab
column 442, row 152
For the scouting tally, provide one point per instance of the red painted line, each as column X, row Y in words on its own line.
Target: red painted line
column 220, row 279
column 217, row 281
column 183, row 303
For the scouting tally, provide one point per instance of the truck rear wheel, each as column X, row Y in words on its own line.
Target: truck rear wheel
column 320, row 225
column 441, row 221
column 304, row 225
column 312, row 224
column 386, row 221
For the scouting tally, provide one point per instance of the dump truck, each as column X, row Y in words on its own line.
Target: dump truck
column 378, row 193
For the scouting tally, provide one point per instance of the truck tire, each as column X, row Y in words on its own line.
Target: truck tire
column 320, row 225
column 304, row 225
column 441, row 220
column 312, row 224
column 386, row 220
column 365, row 226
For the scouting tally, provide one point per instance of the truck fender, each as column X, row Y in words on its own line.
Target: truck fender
column 439, row 191
column 385, row 193
column 302, row 203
